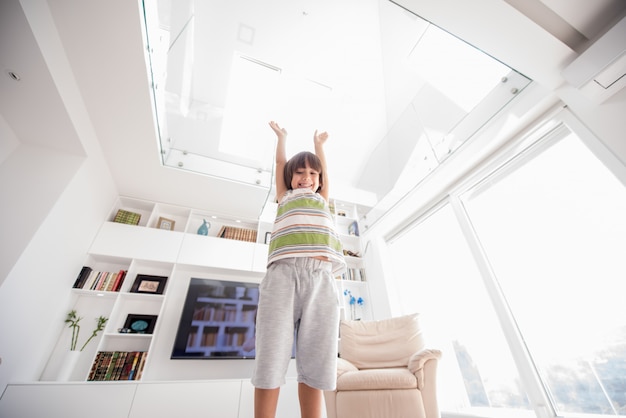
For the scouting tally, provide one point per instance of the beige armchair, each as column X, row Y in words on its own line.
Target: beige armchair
column 384, row 371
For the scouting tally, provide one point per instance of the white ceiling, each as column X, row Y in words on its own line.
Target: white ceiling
column 83, row 78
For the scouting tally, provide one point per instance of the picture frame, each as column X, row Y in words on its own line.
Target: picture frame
column 268, row 237
column 139, row 324
column 145, row 283
column 167, row 224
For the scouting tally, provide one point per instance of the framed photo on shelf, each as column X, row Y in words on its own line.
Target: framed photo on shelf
column 145, row 283
column 139, row 324
column 164, row 223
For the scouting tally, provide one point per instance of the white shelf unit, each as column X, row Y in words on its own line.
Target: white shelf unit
column 186, row 220
column 354, row 281
column 144, row 249
column 178, row 254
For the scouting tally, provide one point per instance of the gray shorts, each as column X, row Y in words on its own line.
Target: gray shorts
column 298, row 298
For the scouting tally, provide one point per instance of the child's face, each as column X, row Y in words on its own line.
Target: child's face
column 306, row 178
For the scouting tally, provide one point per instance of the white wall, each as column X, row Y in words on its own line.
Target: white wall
column 8, row 140
column 31, row 179
column 34, row 295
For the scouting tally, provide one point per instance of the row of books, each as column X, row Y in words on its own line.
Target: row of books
column 232, row 336
column 127, row 217
column 241, row 234
column 354, row 274
column 90, row 279
column 117, row 365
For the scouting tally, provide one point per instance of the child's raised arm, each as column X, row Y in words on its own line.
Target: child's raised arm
column 281, row 159
column 319, row 140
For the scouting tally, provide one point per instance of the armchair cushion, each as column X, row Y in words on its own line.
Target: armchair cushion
column 377, row 379
column 380, row 344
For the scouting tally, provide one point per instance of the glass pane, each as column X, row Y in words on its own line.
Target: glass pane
column 554, row 231
column 435, row 275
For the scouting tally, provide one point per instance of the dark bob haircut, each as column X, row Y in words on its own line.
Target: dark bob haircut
column 300, row 160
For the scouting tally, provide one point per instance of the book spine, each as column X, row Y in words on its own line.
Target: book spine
column 90, row 280
column 82, row 277
column 128, row 364
column 97, row 281
column 141, row 365
column 133, row 368
column 111, row 365
column 118, row 281
column 94, row 366
column 119, row 365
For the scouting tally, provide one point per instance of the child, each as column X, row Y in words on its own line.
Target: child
column 298, row 297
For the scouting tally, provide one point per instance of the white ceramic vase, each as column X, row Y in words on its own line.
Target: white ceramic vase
column 67, row 365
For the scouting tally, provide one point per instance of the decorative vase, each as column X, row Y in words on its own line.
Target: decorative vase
column 204, row 228
column 67, row 365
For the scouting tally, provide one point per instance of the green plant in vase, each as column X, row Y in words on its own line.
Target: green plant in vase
column 73, row 321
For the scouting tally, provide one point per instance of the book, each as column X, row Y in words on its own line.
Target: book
column 236, row 233
column 119, row 279
column 100, row 365
column 128, row 365
column 95, row 365
column 117, row 365
column 99, row 280
column 140, row 365
column 133, row 367
column 82, row 277
column 127, row 217
column 91, row 279
column 111, row 365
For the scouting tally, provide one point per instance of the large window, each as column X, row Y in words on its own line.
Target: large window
column 547, row 232
column 436, row 276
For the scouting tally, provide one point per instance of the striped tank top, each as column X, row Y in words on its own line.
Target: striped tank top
column 304, row 227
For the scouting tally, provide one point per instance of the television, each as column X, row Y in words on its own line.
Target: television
column 217, row 321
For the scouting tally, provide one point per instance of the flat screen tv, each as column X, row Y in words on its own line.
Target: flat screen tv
column 218, row 320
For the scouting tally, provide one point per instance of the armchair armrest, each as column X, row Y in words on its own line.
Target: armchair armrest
column 417, row 361
column 344, row 366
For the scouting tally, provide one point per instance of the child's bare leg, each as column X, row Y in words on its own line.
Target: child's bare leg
column 265, row 402
column 311, row 401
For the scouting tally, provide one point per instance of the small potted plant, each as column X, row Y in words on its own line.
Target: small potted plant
column 73, row 322
column 71, row 357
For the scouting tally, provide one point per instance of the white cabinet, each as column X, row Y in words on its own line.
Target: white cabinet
column 67, row 400
column 217, row 252
column 115, row 239
column 187, row 399
column 224, row 398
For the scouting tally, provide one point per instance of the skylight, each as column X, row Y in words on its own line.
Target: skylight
column 397, row 94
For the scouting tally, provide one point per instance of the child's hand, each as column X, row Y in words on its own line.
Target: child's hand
column 280, row 132
column 320, row 138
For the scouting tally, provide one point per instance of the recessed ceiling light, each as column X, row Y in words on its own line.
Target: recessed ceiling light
column 13, row 75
